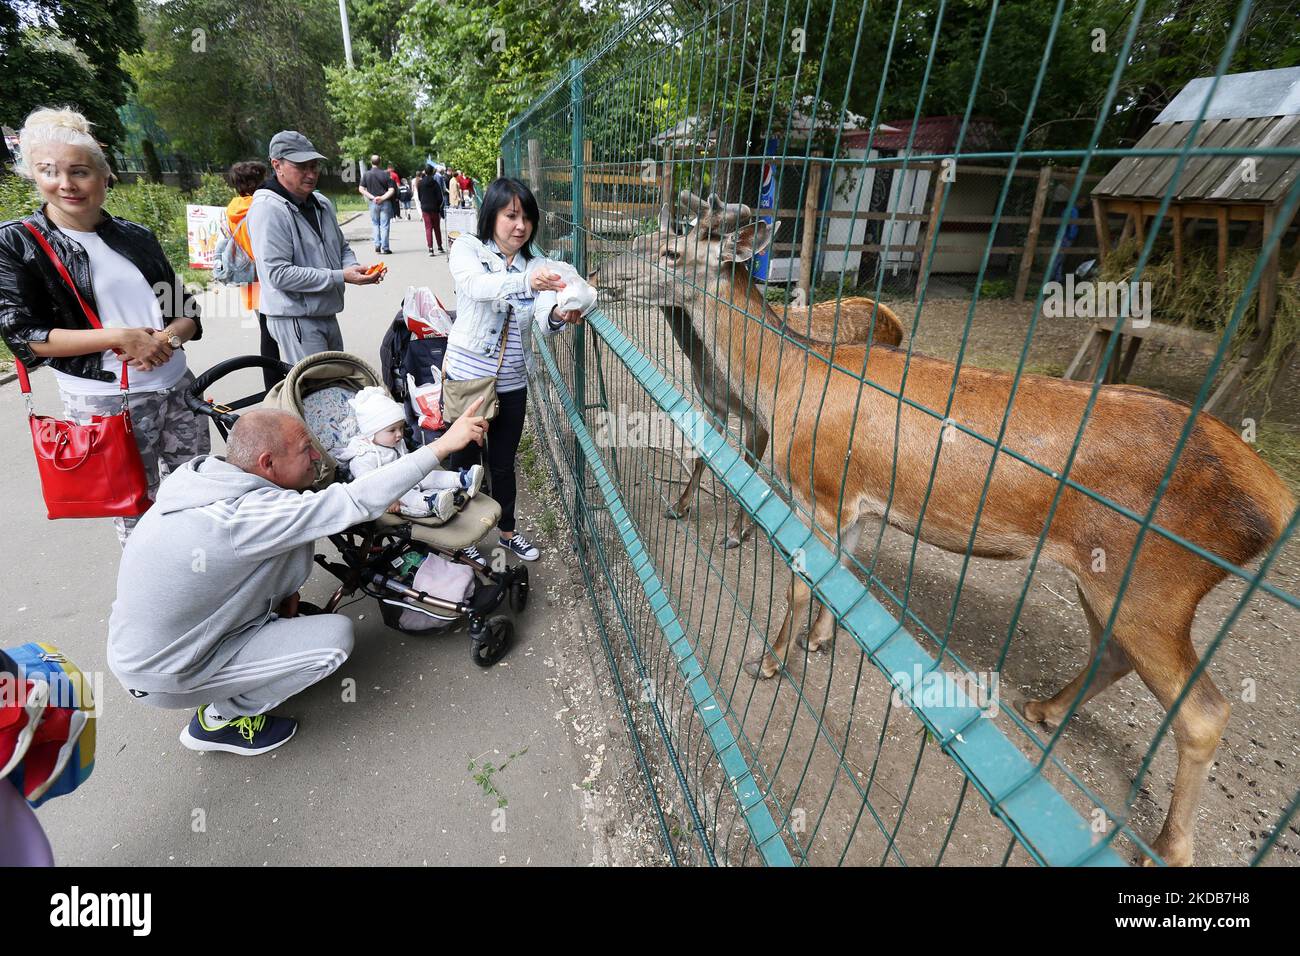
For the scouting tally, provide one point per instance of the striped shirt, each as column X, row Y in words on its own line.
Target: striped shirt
column 462, row 363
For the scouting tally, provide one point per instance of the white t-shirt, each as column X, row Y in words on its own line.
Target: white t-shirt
column 124, row 300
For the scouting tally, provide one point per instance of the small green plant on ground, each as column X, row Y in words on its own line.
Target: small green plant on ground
column 485, row 772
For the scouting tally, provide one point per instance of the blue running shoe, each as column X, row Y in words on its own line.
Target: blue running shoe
column 243, row 735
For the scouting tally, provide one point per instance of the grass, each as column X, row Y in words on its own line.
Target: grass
column 1279, row 445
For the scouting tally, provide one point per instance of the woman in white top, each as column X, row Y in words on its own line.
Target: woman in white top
column 122, row 273
column 503, row 287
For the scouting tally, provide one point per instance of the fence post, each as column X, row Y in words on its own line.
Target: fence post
column 1031, row 240
column 931, row 230
column 807, row 261
column 580, row 151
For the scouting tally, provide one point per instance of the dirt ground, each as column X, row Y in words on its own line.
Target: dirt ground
column 855, row 780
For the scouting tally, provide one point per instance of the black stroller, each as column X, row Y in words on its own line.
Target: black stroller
column 381, row 558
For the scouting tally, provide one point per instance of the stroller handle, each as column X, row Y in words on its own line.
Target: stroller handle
column 196, row 403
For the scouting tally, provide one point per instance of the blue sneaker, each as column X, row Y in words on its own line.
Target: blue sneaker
column 471, row 480
column 243, row 735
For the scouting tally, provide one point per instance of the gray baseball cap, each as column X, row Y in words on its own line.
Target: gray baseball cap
column 292, row 145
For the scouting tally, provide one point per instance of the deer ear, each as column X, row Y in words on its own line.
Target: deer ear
column 746, row 243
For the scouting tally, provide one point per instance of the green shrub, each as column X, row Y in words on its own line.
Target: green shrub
column 213, row 191
column 996, row 289
column 18, row 197
column 160, row 208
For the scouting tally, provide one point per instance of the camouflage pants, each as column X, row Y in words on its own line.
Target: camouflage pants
column 167, row 432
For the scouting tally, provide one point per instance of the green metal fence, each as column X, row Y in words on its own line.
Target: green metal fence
column 901, row 741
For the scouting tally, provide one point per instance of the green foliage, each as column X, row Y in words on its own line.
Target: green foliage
column 223, row 76
column 213, row 191
column 373, row 105
column 484, row 773
column 66, row 53
column 480, row 65
column 18, row 197
column 996, row 289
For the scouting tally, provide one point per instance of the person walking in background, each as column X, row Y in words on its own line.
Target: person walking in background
column 244, row 179
column 453, row 188
column 121, row 272
column 378, row 188
column 466, row 188
column 432, row 201
column 396, row 201
column 404, row 193
column 303, row 260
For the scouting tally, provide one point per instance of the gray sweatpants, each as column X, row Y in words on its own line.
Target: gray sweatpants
column 286, row 656
column 300, row 336
column 167, row 433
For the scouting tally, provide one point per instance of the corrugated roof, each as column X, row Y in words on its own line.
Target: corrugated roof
column 1238, row 96
column 1211, row 178
column 934, row 134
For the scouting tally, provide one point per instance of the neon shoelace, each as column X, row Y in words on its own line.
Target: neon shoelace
column 248, row 726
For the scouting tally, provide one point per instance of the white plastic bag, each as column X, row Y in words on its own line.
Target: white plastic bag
column 427, row 400
column 424, row 314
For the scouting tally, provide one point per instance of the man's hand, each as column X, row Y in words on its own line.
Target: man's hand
column 289, row 606
column 395, row 508
column 470, row 427
column 356, row 275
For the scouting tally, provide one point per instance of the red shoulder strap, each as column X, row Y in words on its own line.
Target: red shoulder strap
column 23, row 383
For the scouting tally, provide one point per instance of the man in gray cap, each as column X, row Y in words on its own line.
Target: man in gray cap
column 303, row 261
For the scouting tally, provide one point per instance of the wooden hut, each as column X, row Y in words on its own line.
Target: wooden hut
column 1252, row 111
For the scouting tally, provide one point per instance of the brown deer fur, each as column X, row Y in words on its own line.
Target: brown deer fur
column 1222, row 496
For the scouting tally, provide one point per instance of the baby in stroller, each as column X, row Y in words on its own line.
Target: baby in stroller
column 379, row 441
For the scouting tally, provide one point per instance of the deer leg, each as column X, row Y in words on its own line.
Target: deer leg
column 756, row 445
column 1165, row 663
column 1113, row 665
column 822, row 630
column 683, row 505
column 765, row 665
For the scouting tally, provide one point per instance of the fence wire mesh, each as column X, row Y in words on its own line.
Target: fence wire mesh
column 946, row 164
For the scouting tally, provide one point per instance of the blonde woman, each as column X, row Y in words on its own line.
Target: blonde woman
column 122, row 274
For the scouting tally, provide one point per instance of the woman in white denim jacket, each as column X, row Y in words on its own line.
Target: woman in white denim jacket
column 502, row 281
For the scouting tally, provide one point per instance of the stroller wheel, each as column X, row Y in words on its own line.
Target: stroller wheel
column 490, row 646
column 519, row 590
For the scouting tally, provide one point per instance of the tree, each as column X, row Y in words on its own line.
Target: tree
column 65, row 53
column 373, row 105
column 480, row 65
column 223, row 76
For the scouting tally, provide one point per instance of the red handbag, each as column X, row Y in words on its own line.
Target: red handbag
column 87, row 471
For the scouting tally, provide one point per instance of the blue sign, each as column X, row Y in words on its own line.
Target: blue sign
column 766, row 210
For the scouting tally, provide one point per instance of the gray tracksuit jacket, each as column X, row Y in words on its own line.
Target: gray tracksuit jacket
column 301, row 273
column 216, row 554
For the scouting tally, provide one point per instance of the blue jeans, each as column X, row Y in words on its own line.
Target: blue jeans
column 381, row 213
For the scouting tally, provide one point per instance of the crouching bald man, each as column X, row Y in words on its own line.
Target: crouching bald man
column 207, row 604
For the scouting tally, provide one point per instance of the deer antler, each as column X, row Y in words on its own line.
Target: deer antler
column 713, row 216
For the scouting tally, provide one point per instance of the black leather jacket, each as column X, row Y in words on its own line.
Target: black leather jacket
column 34, row 298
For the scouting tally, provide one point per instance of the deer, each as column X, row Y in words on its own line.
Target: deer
column 854, row 319
column 834, row 441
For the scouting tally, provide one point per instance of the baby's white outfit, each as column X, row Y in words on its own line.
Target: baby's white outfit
column 433, row 497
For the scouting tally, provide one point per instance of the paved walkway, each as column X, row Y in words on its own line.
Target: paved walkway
column 382, row 780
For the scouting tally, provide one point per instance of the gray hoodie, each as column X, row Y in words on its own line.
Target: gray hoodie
column 219, row 550
column 301, row 273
